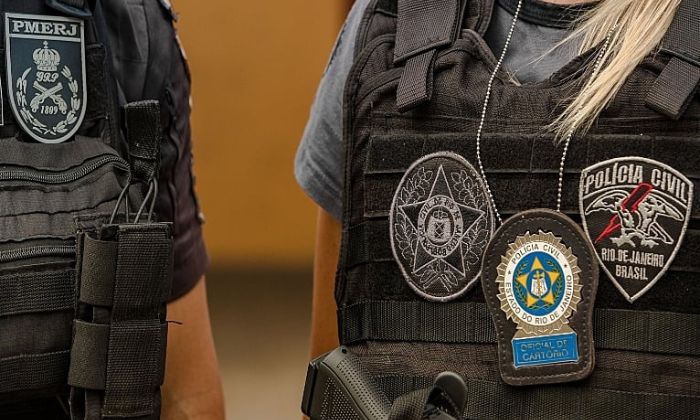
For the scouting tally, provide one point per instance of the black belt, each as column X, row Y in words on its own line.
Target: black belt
column 470, row 322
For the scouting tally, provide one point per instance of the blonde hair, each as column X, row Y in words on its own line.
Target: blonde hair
column 636, row 28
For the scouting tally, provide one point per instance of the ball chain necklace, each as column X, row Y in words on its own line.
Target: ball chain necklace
column 567, row 139
column 546, row 257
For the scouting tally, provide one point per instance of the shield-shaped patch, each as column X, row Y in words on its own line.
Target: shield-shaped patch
column 46, row 74
column 635, row 212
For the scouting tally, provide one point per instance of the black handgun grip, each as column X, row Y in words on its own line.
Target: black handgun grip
column 338, row 388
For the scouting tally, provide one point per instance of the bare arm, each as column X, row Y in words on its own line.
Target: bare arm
column 192, row 388
column 324, row 327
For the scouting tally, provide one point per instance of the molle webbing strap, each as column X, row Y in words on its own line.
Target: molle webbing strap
column 33, row 371
column 486, row 400
column 125, row 273
column 422, row 27
column 36, row 292
column 143, row 132
column 678, row 83
column 469, row 322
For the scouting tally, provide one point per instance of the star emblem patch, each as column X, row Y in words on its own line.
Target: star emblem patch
column 441, row 222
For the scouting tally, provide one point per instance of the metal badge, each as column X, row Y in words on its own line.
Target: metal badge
column 540, row 278
column 635, row 212
column 440, row 222
column 46, row 74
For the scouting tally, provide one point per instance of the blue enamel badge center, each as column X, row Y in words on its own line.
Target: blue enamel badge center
column 539, row 289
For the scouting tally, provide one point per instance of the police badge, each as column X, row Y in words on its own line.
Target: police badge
column 540, row 279
column 440, row 223
column 635, row 212
column 46, row 74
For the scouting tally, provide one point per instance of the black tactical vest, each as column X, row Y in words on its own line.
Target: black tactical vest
column 85, row 270
column 419, row 90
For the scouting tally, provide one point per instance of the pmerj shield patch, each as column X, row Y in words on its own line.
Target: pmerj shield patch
column 46, row 74
column 635, row 212
column 440, row 222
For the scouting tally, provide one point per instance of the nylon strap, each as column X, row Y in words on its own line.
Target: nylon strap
column 368, row 244
column 409, row 405
column 678, row 83
column 34, row 371
column 485, row 400
column 422, row 27
column 88, row 359
column 36, row 292
column 99, row 266
column 470, row 322
column 136, row 353
column 144, row 136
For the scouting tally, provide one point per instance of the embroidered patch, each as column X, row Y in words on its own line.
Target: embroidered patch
column 635, row 212
column 45, row 58
column 539, row 279
column 440, row 223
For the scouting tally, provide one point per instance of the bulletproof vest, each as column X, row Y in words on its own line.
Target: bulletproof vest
column 415, row 94
column 85, row 268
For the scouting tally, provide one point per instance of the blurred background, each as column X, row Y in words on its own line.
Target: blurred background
column 255, row 68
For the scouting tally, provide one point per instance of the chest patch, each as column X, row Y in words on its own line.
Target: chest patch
column 45, row 58
column 440, row 223
column 635, row 211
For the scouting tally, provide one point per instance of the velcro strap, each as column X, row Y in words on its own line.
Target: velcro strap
column 144, row 135
column 98, row 271
column 416, row 83
column 485, row 400
column 470, row 322
column 674, row 89
column 37, row 292
column 135, row 367
column 422, row 27
column 678, row 83
column 36, row 371
column 88, row 359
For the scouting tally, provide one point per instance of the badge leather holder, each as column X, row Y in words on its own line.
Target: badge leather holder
column 540, row 278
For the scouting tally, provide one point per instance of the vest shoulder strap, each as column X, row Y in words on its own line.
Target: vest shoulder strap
column 678, row 83
column 423, row 27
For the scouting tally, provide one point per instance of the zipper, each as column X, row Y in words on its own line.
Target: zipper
column 36, row 252
column 34, row 175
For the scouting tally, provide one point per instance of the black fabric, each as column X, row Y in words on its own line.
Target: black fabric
column 410, row 405
column 99, row 266
column 144, row 136
column 34, row 371
column 678, row 83
column 88, row 365
column 422, row 27
column 37, row 292
column 492, row 400
column 615, row 329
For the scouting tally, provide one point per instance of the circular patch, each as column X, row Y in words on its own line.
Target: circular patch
column 538, row 282
column 440, row 223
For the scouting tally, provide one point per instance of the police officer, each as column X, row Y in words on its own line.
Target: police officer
column 428, row 149
column 139, row 34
